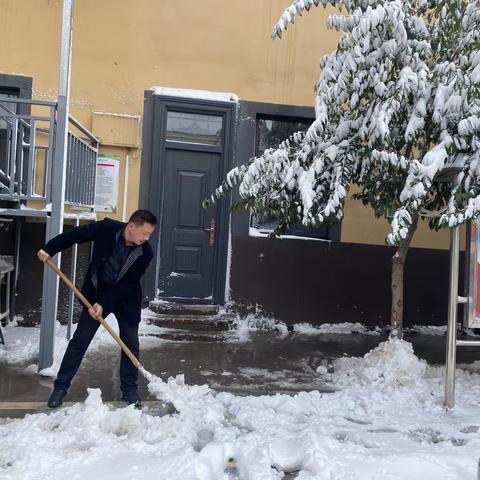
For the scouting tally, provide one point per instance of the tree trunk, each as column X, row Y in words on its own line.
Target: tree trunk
column 398, row 266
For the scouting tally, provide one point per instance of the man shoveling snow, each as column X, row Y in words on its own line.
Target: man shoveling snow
column 121, row 254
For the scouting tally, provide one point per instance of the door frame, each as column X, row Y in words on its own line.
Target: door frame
column 152, row 167
column 22, row 86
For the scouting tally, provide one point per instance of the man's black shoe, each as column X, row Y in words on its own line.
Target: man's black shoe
column 132, row 398
column 56, row 398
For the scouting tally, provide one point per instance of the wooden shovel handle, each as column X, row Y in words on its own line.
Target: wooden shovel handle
column 87, row 304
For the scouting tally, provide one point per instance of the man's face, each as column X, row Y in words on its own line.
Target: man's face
column 138, row 234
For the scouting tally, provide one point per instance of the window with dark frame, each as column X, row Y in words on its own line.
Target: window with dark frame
column 270, row 132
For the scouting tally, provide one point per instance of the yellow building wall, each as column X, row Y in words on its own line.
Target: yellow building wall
column 123, row 47
column 359, row 225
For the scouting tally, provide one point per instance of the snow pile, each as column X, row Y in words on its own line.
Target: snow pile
column 187, row 399
column 429, row 329
column 83, row 438
column 392, row 364
column 386, row 421
column 243, row 326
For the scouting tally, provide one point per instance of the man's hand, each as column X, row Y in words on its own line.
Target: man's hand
column 43, row 256
column 96, row 311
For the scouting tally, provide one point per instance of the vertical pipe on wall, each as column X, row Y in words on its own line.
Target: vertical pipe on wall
column 16, row 264
column 125, row 187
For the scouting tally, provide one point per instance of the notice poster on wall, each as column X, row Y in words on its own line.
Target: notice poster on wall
column 106, row 186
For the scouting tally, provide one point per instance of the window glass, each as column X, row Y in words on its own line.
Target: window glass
column 9, row 105
column 194, row 128
column 270, row 132
column 5, row 132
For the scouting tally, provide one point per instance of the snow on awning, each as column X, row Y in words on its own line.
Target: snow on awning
column 197, row 94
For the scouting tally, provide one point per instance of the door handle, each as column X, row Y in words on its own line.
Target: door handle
column 211, row 232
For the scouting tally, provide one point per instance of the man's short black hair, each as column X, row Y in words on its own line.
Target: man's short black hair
column 139, row 217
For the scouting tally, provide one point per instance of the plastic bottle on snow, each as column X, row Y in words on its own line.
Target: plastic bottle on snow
column 231, row 469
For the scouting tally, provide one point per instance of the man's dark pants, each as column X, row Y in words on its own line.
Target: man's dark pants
column 86, row 329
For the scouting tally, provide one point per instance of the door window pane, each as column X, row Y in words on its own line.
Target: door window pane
column 194, row 128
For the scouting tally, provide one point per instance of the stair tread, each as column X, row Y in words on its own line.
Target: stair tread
column 219, row 322
column 193, row 318
column 184, row 308
column 178, row 335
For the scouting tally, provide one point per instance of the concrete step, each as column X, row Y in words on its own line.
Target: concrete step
column 183, row 308
column 218, row 323
column 177, row 335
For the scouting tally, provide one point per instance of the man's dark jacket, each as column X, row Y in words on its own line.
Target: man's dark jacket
column 125, row 295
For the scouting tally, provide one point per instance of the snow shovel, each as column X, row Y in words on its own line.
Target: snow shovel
column 109, row 329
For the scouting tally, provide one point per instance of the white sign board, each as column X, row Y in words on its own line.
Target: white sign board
column 472, row 317
column 106, row 187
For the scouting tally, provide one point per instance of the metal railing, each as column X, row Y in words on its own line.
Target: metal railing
column 81, row 166
column 26, row 141
column 26, row 154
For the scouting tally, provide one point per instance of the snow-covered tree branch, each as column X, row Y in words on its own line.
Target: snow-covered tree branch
column 397, row 110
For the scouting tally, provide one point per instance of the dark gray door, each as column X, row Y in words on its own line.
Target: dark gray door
column 188, row 231
column 187, row 152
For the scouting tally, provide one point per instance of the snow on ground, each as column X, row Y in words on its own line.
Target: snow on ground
column 441, row 330
column 429, row 330
column 21, row 343
column 308, row 329
column 385, row 421
column 243, row 326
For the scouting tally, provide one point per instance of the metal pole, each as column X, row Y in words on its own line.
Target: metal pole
column 55, row 225
column 2, row 339
column 452, row 319
column 16, row 264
